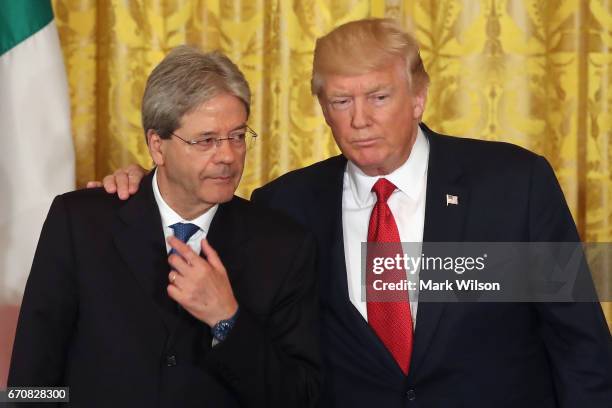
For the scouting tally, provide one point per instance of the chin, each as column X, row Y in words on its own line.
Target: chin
column 219, row 198
column 368, row 162
column 216, row 194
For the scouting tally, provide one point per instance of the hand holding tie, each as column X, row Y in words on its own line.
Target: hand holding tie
column 201, row 286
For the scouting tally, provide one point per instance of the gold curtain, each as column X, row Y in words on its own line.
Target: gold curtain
column 535, row 73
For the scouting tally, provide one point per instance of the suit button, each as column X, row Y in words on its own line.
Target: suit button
column 411, row 394
column 171, row 360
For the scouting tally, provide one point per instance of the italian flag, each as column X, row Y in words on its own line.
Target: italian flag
column 37, row 156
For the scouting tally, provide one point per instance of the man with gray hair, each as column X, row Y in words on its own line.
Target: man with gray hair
column 185, row 295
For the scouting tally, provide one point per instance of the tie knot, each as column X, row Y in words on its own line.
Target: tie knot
column 184, row 231
column 383, row 189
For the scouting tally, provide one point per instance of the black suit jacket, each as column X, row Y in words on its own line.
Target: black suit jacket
column 465, row 354
column 96, row 316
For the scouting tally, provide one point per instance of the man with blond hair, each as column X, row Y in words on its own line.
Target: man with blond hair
column 397, row 180
column 121, row 308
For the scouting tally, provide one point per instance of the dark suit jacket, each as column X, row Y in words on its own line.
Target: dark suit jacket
column 465, row 354
column 96, row 316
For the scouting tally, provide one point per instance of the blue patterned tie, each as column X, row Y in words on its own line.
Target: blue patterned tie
column 183, row 231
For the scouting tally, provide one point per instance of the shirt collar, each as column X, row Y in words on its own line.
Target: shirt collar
column 407, row 178
column 170, row 217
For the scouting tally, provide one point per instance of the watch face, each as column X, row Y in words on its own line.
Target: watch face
column 222, row 329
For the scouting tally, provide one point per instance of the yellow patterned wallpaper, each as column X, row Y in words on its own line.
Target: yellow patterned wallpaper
column 535, row 73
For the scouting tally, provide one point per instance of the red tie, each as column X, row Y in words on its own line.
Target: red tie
column 388, row 311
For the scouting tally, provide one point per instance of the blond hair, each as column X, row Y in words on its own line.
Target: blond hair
column 366, row 45
column 183, row 80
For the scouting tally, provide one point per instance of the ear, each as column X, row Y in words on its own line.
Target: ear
column 156, row 147
column 418, row 103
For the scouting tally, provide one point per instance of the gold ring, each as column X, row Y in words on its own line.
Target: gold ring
column 172, row 277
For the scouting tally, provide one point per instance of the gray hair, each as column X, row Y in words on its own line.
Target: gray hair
column 183, row 80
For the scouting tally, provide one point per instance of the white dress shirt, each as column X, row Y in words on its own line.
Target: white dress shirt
column 407, row 203
column 170, row 217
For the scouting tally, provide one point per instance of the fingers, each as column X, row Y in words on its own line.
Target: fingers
column 174, row 292
column 133, row 184
column 93, row 184
column 201, row 286
column 176, row 279
column 135, row 173
column 122, row 183
column 187, row 255
column 179, row 265
column 108, row 182
column 211, row 256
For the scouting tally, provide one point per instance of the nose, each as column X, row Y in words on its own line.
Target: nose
column 224, row 153
column 360, row 114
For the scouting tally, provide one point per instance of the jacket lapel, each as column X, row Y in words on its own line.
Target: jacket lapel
column 228, row 235
column 326, row 215
column 444, row 222
column 139, row 238
column 328, row 227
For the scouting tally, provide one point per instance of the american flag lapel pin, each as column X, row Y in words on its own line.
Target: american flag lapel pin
column 452, row 200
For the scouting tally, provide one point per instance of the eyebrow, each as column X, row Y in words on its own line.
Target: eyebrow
column 211, row 133
column 373, row 89
column 378, row 88
column 339, row 94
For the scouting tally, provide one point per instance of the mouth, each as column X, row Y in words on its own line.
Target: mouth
column 364, row 142
column 221, row 179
